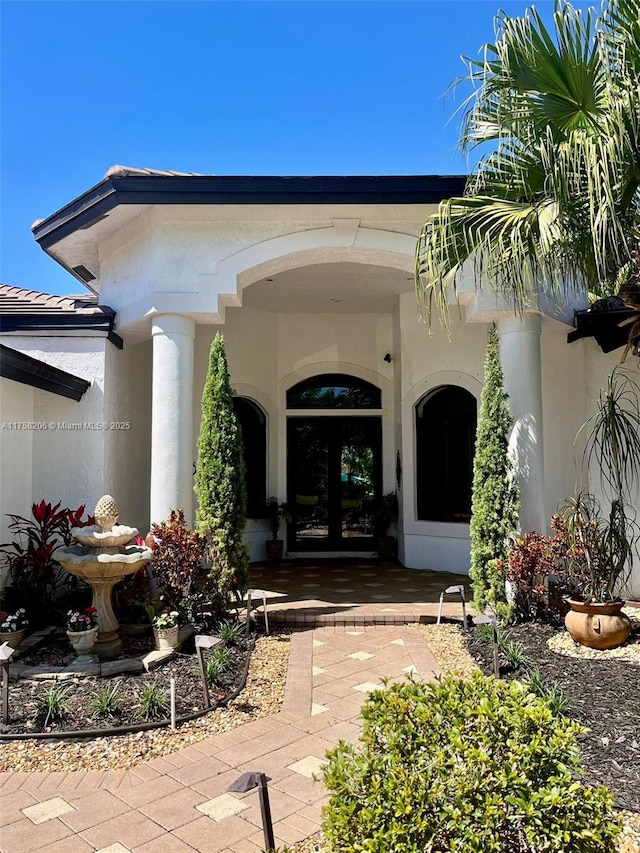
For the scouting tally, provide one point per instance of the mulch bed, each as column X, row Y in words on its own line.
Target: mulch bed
column 26, row 696
column 603, row 695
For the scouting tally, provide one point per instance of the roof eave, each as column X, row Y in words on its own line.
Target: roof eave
column 118, row 189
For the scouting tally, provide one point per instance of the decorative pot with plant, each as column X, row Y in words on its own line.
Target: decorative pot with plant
column 82, row 630
column 386, row 515
column 165, row 630
column 13, row 626
column 276, row 512
column 600, row 545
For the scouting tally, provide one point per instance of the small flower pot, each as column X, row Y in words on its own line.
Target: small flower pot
column 166, row 638
column 13, row 638
column 83, row 642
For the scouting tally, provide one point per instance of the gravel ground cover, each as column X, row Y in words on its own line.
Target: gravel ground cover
column 262, row 696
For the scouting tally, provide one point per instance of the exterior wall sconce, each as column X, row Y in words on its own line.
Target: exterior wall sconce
column 388, row 358
column 247, row 782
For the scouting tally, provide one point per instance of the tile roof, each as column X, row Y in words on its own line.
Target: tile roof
column 123, row 171
column 16, row 300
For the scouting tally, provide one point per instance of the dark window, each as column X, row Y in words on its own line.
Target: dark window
column 445, row 444
column 334, row 391
column 253, row 424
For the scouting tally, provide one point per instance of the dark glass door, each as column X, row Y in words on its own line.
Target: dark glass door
column 334, row 468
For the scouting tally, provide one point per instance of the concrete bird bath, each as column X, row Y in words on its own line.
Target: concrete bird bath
column 102, row 558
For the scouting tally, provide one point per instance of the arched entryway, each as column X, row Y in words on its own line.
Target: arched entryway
column 334, row 463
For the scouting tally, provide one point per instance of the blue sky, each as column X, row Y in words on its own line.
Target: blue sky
column 221, row 88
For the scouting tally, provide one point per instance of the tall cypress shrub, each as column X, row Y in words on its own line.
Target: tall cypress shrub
column 220, row 478
column 495, row 499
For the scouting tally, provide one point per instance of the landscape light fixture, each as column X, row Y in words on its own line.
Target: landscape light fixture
column 457, row 589
column 204, row 641
column 247, row 782
column 491, row 620
column 5, row 656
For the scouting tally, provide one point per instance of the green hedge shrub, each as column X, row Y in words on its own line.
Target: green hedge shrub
column 471, row 766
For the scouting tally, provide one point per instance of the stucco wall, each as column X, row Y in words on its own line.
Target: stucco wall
column 597, row 369
column 68, row 463
column 269, row 352
column 430, row 359
column 16, row 453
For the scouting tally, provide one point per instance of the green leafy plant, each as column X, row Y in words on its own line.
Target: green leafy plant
column 600, row 545
column 495, row 499
column 220, row 478
column 53, row 704
column 104, row 701
column 276, row 512
column 514, row 653
column 549, row 691
column 153, row 702
column 166, row 619
column 218, row 664
column 470, row 765
column 554, row 198
column 230, row 632
column 484, row 633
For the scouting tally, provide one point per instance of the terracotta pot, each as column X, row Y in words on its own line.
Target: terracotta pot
column 83, row 642
column 386, row 547
column 166, row 638
column 275, row 549
column 598, row 625
column 13, row 638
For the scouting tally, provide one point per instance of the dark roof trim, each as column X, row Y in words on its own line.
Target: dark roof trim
column 22, row 368
column 90, row 326
column 118, row 189
column 607, row 322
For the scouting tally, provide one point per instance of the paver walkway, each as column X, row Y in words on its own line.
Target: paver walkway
column 179, row 803
column 304, row 593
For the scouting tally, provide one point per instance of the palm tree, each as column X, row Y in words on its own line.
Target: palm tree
column 555, row 203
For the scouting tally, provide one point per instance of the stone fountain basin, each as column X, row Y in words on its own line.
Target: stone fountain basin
column 103, row 566
column 93, row 536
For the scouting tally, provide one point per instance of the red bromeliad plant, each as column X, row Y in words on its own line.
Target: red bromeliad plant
column 36, row 576
column 178, row 552
column 533, row 558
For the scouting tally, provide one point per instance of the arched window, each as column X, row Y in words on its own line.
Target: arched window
column 445, row 444
column 253, row 424
column 334, row 391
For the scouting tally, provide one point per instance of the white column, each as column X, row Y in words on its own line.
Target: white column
column 172, row 416
column 520, row 358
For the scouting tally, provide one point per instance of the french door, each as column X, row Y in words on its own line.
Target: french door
column 334, row 479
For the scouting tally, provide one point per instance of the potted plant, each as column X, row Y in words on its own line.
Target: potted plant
column 276, row 512
column 600, row 545
column 82, row 630
column 13, row 626
column 165, row 630
column 386, row 515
